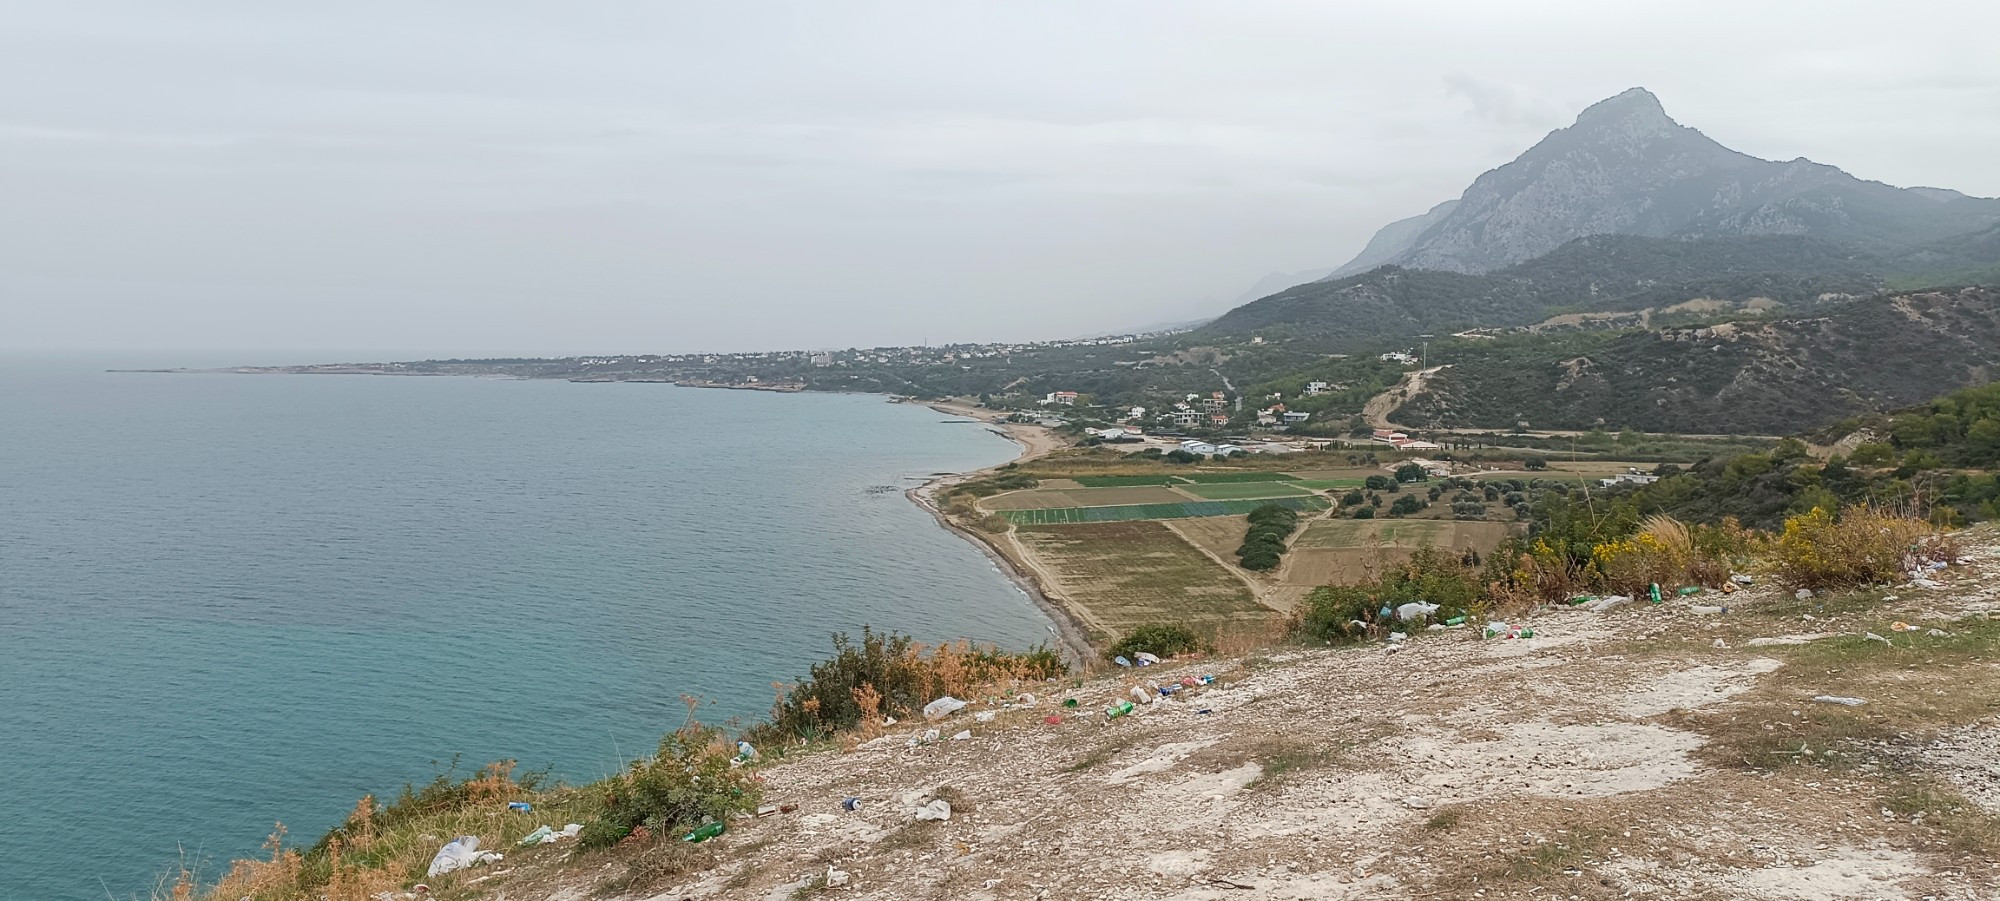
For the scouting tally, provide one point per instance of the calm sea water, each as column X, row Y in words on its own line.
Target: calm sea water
column 231, row 600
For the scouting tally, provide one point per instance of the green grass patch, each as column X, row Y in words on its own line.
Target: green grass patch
column 1327, row 484
column 1134, row 512
column 1122, row 481
column 1230, row 478
column 1234, row 491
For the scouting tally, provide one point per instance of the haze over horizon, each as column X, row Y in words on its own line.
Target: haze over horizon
column 533, row 179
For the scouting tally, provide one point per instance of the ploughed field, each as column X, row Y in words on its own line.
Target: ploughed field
column 1119, row 575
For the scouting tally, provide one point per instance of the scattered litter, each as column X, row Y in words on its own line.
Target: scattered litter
column 1653, row 593
column 943, row 707
column 1414, row 610
column 1456, row 621
column 962, row 735
column 1926, row 583
column 770, row 810
column 1025, row 699
column 520, row 806
column 1052, row 719
column 1937, row 633
column 546, row 835
column 705, row 831
column 1502, row 630
column 745, row 752
column 1741, row 579
column 1417, row 802
column 1399, row 636
column 458, row 854
column 1071, row 703
column 888, row 721
column 1719, row 643
column 1609, row 603
column 1803, row 594
column 1688, row 591
column 835, row 878
column 939, row 810
column 985, row 716
column 1874, row 637
column 1117, row 710
column 1140, row 694
column 1145, row 659
column 1203, row 712
column 1837, row 699
column 1121, row 661
column 1707, row 609
column 1900, row 626
column 850, row 804
column 1729, row 588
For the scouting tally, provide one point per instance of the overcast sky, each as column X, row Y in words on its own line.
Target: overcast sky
column 472, row 177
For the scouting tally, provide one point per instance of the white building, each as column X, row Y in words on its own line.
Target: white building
column 1297, row 416
column 1314, row 389
column 1197, row 447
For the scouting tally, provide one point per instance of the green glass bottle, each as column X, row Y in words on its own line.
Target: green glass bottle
column 705, row 831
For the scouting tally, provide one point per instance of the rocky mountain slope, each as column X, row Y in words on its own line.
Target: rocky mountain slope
column 1758, row 377
column 1625, row 167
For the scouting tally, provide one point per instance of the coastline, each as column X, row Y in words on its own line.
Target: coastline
column 1035, row 441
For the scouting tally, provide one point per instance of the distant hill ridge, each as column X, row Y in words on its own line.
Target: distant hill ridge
column 1625, row 167
column 1591, row 274
column 1768, row 377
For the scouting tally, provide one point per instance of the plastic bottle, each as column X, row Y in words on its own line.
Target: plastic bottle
column 520, row 806
column 1117, row 710
column 1655, row 592
column 1455, row 621
column 705, row 831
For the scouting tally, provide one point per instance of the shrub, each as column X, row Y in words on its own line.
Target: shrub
column 1264, row 542
column 689, row 782
column 1405, row 505
column 1336, row 614
column 1364, row 513
column 1352, row 498
column 1378, row 483
column 1863, row 546
column 895, row 668
column 1158, row 639
column 1535, row 464
column 1411, row 472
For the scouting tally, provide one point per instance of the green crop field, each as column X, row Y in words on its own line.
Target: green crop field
column 1131, row 512
column 1328, row 484
column 1122, row 481
column 1226, row 478
column 1238, row 490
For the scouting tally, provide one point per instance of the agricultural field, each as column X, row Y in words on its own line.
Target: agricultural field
column 1047, row 498
column 1355, row 474
column 1229, row 478
column 1121, row 575
column 1402, row 533
column 1122, row 481
column 1310, row 567
column 1234, row 490
column 1130, row 512
column 1219, row 535
column 1327, row 484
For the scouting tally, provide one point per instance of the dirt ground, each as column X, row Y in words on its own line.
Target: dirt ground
column 1645, row 752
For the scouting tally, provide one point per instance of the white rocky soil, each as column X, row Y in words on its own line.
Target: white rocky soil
column 1558, row 766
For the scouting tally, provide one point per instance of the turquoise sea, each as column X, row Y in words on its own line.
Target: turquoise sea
column 229, row 600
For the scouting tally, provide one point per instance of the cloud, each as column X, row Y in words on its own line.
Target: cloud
column 1502, row 103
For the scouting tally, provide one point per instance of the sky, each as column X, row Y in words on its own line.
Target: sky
column 486, row 177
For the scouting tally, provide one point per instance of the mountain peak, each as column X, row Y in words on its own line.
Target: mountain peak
column 1632, row 106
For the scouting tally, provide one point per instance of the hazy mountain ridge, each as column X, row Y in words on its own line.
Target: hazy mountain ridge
column 1592, row 274
column 1771, row 377
column 1625, row 167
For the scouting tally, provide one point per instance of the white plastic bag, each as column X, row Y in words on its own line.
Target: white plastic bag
column 943, row 707
column 1413, row 610
column 939, row 810
column 458, row 854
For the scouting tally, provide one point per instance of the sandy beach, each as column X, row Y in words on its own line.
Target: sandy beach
column 1035, row 441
